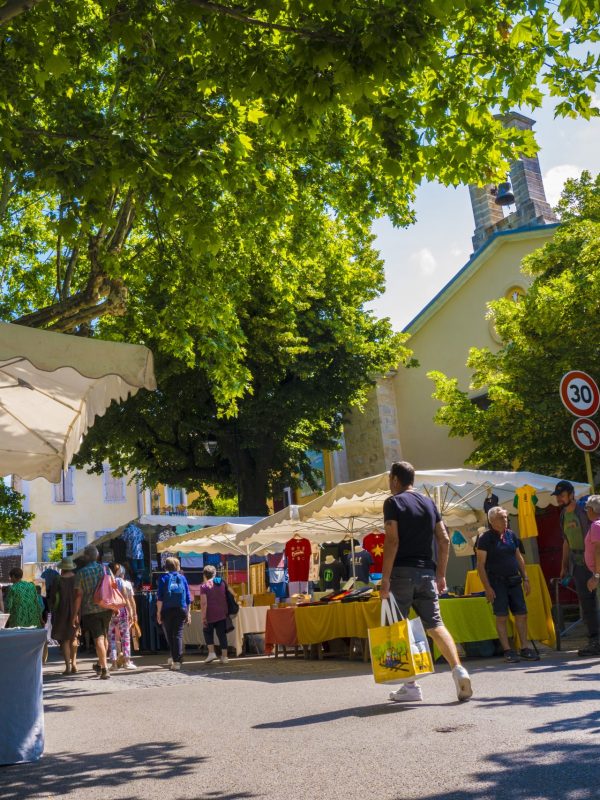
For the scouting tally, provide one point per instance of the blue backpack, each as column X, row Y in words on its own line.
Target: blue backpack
column 175, row 591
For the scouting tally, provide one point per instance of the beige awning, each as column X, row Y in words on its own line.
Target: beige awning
column 52, row 387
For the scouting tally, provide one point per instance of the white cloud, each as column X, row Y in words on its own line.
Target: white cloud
column 555, row 178
column 424, row 261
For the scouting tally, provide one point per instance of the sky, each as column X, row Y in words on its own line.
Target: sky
column 421, row 259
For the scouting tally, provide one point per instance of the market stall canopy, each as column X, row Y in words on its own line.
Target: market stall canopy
column 215, row 539
column 294, row 520
column 52, row 387
column 457, row 492
column 147, row 530
column 174, row 520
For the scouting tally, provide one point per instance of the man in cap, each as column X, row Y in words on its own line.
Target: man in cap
column 574, row 523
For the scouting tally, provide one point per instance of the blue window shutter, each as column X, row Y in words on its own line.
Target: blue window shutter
column 79, row 541
column 48, row 542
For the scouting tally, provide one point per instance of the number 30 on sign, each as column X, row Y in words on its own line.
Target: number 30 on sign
column 579, row 393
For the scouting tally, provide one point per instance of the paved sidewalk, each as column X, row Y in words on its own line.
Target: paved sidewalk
column 294, row 729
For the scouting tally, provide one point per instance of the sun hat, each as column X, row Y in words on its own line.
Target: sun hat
column 67, row 564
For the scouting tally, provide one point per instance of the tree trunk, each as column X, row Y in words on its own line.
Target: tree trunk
column 252, row 483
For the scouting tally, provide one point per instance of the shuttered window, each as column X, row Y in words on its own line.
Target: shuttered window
column 114, row 488
column 63, row 491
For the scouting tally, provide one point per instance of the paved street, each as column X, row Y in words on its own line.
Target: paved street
column 265, row 728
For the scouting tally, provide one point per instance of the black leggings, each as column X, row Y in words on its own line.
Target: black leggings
column 173, row 620
column 219, row 628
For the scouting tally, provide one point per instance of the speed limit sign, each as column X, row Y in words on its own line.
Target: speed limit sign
column 579, row 393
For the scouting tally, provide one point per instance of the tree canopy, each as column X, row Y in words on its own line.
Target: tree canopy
column 555, row 328
column 312, row 354
column 141, row 139
column 14, row 521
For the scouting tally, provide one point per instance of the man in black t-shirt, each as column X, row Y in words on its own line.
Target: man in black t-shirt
column 411, row 574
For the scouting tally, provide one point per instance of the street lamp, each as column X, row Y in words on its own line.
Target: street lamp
column 210, row 446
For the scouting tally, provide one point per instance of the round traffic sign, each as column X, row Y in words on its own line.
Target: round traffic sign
column 586, row 434
column 579, row 393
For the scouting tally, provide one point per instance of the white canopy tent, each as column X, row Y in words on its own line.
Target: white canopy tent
column 52, row 387
column 215, row 539
column 457, row 492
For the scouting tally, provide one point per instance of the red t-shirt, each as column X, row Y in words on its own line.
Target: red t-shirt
column 373, row 542
column 298, row 553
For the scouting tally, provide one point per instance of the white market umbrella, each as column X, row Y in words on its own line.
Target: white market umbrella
column 215, row 539
column 52, row 387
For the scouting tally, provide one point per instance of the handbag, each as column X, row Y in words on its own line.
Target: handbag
column 232, row 604
column 229, row 626
column 107, row 594
column 399, row 647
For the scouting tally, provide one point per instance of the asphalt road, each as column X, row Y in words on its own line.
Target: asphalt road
column 295, row 730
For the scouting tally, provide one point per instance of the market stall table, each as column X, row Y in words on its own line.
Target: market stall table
column 280, row 629
column 540, row 624
column 21, row 702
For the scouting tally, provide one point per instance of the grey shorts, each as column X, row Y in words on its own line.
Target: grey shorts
column 416, row 588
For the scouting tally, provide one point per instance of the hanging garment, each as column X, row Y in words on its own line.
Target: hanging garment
column 525, row 502
column 373, row 542
column 298, row 553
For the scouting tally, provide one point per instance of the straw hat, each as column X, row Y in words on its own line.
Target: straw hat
column 67, row 564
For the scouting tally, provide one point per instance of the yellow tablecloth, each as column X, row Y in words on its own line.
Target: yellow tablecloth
column 539, row 605
column 469, row 619
column 316, row 624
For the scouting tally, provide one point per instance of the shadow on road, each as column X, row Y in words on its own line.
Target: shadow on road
column 542, row 700
column 73, row 774
column 542, row 772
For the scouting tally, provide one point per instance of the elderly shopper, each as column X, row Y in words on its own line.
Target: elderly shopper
column 94, row 618
column 173, row 608
column 22, row 603
column 502, row 571
column 61, row 601
column 213, row 604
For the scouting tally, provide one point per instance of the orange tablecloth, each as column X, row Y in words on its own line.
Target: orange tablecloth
column 280, row 628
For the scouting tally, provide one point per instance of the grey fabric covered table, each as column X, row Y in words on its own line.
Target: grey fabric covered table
column 21, row 694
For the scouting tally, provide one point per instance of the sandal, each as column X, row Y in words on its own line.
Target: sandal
column 67, row 671
column 73, row 670
column 529, row 655
column 511, row 656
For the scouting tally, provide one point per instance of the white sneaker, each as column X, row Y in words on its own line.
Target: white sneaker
column 224, row 660
column 175, row 666
column 130, row 665
column 169, row 662
column 408, row 693
column 462, row 681
column 210, row 658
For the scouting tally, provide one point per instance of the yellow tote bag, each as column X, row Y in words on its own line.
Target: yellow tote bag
column 399, row 648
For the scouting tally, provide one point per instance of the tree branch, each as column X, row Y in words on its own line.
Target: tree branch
column 15, row 7
column 241, row 15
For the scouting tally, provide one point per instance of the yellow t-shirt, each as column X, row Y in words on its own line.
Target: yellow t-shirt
column 525, row 502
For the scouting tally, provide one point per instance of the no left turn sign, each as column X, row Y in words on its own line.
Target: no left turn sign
column 579, row 394
column 586, row 434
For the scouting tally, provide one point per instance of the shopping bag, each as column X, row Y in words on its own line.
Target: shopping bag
column 399, row 648
column 107, row 594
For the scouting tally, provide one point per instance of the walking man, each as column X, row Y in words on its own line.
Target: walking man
column 410, row 573
column 93, row 618
column 574, row 523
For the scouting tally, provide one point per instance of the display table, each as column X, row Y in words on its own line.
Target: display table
column 469, row 619
column 249, row 620
column 280, row 629
column 194, row 634
column 21, row 700
column 540, row 624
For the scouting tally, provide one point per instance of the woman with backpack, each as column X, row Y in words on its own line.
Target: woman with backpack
column 173, row 608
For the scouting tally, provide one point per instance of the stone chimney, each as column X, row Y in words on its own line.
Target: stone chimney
column 532, row 208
